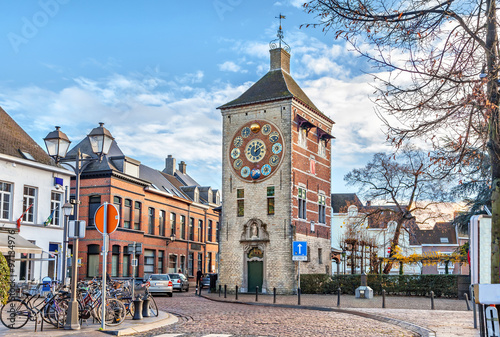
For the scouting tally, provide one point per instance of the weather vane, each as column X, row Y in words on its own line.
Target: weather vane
column 274, row 44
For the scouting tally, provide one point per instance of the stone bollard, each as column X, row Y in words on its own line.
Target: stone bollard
column 338, row 296
column 137, row 309
column 225, row 290
column 236, row 292
column 432, row 300
column 145, row 307
column 298, row 296
column 383, row 298
column 274, row 295
column 467, row 301
column 256, row 293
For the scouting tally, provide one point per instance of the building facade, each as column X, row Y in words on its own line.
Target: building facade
column 166, row 213
column 276, row 183
column 32, row 189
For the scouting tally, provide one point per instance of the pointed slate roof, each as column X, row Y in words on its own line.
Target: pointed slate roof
column 13, row 139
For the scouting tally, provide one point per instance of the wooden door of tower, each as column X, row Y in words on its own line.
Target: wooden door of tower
column 255, row 274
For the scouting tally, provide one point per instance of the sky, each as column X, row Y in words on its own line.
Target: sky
column 155, row 72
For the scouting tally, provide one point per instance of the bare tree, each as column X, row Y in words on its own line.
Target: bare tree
column 440, row 74
column 407, row 183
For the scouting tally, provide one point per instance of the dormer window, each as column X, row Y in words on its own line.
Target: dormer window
column 352, row 211
column 196, row 196
column 444, row 240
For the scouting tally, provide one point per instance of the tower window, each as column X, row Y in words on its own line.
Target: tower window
column 302, row 198
column 303, row 137
column 240, row 200
column 270, row 200
column 321, row 209
column 322, row 148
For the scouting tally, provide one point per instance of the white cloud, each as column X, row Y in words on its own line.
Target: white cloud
column 231, row 67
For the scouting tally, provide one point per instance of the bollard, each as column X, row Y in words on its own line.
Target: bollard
column 225, row 290
column 256, row 293
column 338, row 296
column 236, row 292
column 298, row 296
column 467, row 301
column 383, row 298
column 274, row 295
column 432, row 300
column 137, row 309
column 219, row 289
column 145, row 307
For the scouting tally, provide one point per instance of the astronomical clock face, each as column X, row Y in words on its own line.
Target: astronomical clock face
column 256, row 151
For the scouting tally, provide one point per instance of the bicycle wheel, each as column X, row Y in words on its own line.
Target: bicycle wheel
column 114, row 313
column 130, row 308
column 153, row 308
column 15, row 314
column 56, row 312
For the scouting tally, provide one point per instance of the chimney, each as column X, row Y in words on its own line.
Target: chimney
column 182, row 167
column 368, row 203
column 169, row 165
column 280, row 59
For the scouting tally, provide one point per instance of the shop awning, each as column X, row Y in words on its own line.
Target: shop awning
column 18, row 244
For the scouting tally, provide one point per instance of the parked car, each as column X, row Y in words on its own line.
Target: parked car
column 205, row 281
column 179, row 281
column 161, row 283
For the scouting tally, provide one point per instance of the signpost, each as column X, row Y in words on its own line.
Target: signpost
column 106, row 220
column 134, row 249
column 299, row 253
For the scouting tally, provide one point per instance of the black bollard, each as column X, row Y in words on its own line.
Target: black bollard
column 274, row 295
column 338, row 296
column 137, row 309
column 383, row 298
column 256, row 293
column 432, row 300
column 298, row 296
column 225, row 290
column 219, row 289
column 145, row 307
column 467, row 301
column 236, row 292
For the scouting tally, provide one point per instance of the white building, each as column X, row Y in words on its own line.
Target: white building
column 28, row 176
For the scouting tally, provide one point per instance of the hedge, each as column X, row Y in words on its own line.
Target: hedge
column 408, row 285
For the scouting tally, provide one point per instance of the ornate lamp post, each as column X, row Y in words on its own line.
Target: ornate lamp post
column 57, row 144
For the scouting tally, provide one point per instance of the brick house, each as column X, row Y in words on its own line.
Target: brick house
column 167, row 211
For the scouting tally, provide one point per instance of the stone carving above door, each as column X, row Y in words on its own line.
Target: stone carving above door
column 254, row 230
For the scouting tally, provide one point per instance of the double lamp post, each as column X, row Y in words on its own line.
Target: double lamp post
column 57, row 144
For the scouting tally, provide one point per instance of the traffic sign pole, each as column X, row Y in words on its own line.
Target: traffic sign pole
column 104, row 258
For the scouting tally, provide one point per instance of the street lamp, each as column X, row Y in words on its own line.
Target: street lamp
column 68, row 211
column 57, row 144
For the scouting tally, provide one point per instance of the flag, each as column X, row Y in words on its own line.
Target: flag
column 21, row 218
column 49, row 219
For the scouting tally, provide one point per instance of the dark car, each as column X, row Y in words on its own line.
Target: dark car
column 205, row 281
column 179, row 281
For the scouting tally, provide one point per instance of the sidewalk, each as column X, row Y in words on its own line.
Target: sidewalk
column 450, row 319
column 128, row 327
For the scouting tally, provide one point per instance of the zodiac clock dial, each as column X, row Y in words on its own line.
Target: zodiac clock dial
column 256, row 151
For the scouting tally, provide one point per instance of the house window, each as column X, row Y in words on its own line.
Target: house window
column 200, row 230
column 302, row 197
column 117, row 201
column 303, row 137
column 172, row 263
column 53, row 247
column 149, row 262
column 209, row 263
column 29, row 199
column 209, row 231
column 322, row 148
column 127, row 213
column 5, row 200
column 115, row 258
column 55, row 208
column 160, row 261
column 172, row 224
column 321, row 208
column 320, row 256
column 217, row 232
column 191, row 229
column 151, row 220
column 161, row 223
column 183, row 264
column 270, row 200
column 137, row 215
column 191, row 264
column 200, row 261
column 94, row 203
column 240, row 195
column 126, row 262
column 93, row 252
column 183, row 227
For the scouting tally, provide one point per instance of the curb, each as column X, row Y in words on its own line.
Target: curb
column 169, row 319
column 424, row 332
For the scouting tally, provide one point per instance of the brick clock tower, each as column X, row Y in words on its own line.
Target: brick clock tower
column 276, row 182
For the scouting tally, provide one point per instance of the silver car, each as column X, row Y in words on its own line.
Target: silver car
column 180, row 281
column 161, row 283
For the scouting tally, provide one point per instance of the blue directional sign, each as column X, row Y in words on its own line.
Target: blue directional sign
column 299, row 251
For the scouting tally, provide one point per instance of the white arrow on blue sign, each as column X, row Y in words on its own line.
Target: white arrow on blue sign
column 299, row 251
